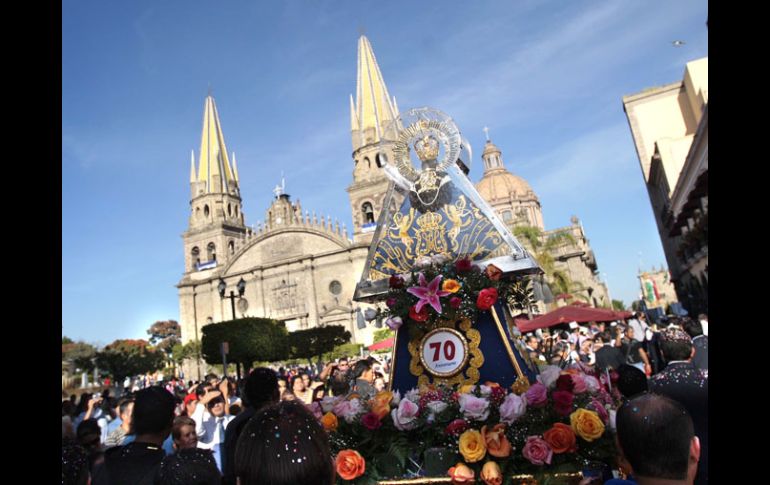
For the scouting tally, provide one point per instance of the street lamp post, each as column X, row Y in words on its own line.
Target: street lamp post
column 241, row 290
column 222, row 286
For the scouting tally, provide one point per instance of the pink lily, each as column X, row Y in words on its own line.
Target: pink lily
column 428, row 293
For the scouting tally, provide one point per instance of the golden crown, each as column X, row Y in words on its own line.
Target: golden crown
column 427, row 148
column 429, row 220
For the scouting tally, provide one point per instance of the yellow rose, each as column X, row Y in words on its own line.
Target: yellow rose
column 329, row 421
column 452, row 286
column 472, row 446
column 466, row 389
column 491, row 473
column 587, row 424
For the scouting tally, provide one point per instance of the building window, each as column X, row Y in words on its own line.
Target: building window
column 368, row 162
column 381, row 159
column 206, row 210
column 231, row 247
column 368, row 213
column 212, row 252
column 335, row 287
column 236, row 211
column 196, row 256
column 229, row 210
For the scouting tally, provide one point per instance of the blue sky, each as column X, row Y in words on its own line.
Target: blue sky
column 546, row 77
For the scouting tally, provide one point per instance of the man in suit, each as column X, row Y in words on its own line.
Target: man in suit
column 261, row 390
column 608, row 357
column 699, row 341
column 682, row 381
column 138, row 462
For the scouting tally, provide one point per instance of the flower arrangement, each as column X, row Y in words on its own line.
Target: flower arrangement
column 438, row 289
column 561, row 423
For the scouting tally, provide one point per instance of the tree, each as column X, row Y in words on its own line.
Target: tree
column 190, row 350
column 164, row 334
column 65, row 340
column 543, row 249
column 618, row 305
column 314, row 342
column 128, row 357
column 383, row 334
column 80, row 354
column 249, row 340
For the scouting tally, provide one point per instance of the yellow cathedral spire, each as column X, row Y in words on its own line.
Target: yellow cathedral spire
column 214, row 166
column 374, row 108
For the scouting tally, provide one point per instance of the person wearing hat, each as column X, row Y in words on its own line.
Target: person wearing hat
column 682, row 381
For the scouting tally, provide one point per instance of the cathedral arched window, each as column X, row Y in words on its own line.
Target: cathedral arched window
column 212, row 252
column 206, row 210
column 231, row 246
column 381, row 159
column 236, row 211
column 229, row 210
column 367, row 212
column 196, row 256
column 368, row 162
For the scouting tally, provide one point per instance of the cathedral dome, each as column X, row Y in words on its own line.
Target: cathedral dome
column 502, row 184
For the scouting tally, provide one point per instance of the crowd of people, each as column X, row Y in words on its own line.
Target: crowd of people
column 262, row 429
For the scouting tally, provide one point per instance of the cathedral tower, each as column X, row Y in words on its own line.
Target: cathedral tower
column 370, row 114
column 216, row 219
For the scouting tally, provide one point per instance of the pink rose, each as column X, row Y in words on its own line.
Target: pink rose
column 537, row 451
column 597, row 406
column 371, row 421
column 579, row 384
column 562, row 402
column 347, row 409
column 394, row 323
column 592, row 383
column 391, row 302
column 405, row 417
column 473, row 407
column 548, row 375
column 512, row 408
column 537, row 395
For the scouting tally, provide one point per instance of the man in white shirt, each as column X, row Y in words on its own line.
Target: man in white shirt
column 211, row 418
column 639, row 325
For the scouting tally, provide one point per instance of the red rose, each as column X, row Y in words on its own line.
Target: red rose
column 420, row 316
column 391, row 302
column 463, row 265
column 396, row 281
column 487, row 298
column 456, row 427
column 562, row 402
column 455, row 302
column 564, row 383
column 371, row 421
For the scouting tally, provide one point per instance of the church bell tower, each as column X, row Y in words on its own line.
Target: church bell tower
column 216, row 214
column 370, row 114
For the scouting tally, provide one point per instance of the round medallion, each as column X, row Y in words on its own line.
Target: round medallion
column 335, row 287
column 443, row 352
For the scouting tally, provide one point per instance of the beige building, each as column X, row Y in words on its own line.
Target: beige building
column 669, row 125
column 518, row 205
